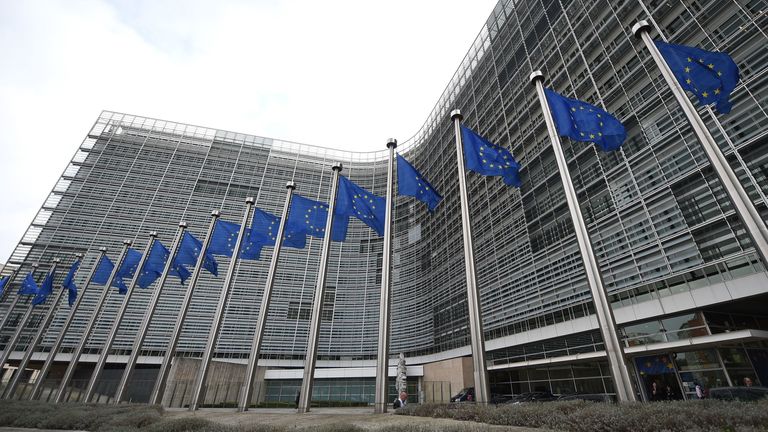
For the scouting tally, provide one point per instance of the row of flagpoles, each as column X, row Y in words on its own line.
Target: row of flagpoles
column 300, row 217
column 710, row 76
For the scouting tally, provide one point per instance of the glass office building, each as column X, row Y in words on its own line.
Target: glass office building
column 685, row 283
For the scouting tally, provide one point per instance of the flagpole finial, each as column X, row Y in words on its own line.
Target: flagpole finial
column 127, row 242
column 536, row 75
column 183, row 224
column 216, row 213
column 456, row 113
column 250, row 200
column 337, row 166
column 290, row 185
column 152, row 234
column 640, row 27
column 391, row 143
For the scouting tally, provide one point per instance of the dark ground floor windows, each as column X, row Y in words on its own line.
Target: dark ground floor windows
column 663, row 376
column 355, row 390
column 583, row 377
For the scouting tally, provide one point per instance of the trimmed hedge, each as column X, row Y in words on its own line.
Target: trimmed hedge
column 92, row 417
column 581, row 416
column 125, row 418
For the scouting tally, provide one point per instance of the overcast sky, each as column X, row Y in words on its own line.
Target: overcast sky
column 334, row 73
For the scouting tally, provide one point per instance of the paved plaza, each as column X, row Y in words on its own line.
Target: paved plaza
column 362, row 417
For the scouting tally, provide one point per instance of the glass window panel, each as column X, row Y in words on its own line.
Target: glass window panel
column 695, row 360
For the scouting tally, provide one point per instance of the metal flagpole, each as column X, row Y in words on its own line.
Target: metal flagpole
column 202, row 373
column 21, row 325
column 616, row 359
column 382, row 358
column 89, row 326
column 482, row 394
column 6, row 293
column 165, row 368
column 745, row 208
column 305, row 394
column 250, row 373
column 8, row 312
column 142, row 334
column 35, row 341
column 11, row 276
column 60, row 339
column 102, row 360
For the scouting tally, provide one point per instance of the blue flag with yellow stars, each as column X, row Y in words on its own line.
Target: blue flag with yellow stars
column 410, row 182
column 581, row 121
column 154, row 266
column 188, row 253
column 251, row 248
column 28, row 285
column 711, row 76
column 224, row 238
column 486, row 158
column 69, row 282
column 263, row 232
column 3, row 282
column 355, row 201
column 45, row 289
column 308, row 216
column 126, row 270
column 103, row 270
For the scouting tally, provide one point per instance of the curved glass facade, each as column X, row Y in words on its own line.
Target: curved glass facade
column 658, row 217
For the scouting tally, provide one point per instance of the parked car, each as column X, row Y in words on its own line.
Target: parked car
column 501, row 398
column 539, row 396
column 465, row 395
column 592, row 397
column 739, row 393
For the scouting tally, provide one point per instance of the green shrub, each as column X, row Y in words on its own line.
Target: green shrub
column 581, row 416
column 41, row 415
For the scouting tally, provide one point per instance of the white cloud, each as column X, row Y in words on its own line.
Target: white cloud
column 342, row 74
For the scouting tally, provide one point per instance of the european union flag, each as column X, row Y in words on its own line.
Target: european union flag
column 28, row 285
column 45, row 289
column 224, row 238
column 103, row 270
column 69, row 282
column 154, row 264
column 251, row 247
column 263, row 232
column 486, row 158
column 410, row 182
column 127, row 270
column 309, row 216
column 264, row 227
column 581, row 121
column 189, row 251
column 3, row 282
column 180, row 272
column 355, row 201
column 711, row 76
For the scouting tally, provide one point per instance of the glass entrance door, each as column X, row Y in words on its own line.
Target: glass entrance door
column 659, row 378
